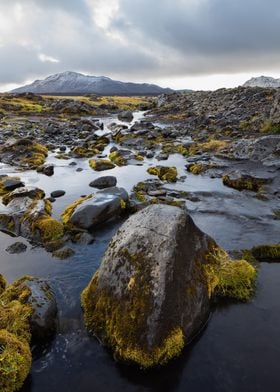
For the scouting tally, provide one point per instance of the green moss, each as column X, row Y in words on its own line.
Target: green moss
column 198, row 168
column 15, row 361
column 3, row 284
column 270, row 253
column 14, row 317
column 35, row 194
column 50, row 229
column 164, row 173
column 270, row 127
column 69, row 210
column 37, row 155
column 84, row 152
column 140, row 196
column 101, row 164
column 117, row 158
column 228, row 278
column 121, row 322
column 244, row 183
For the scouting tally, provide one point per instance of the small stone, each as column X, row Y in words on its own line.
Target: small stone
column 57, row 193
column 16, row 247
column 63, row 253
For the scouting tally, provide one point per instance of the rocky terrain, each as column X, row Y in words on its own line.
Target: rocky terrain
column 170, row 169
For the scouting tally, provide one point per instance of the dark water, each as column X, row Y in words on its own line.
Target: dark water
column 238, row 351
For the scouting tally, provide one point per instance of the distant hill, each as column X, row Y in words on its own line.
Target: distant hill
column 262, row 81
column 76, row 83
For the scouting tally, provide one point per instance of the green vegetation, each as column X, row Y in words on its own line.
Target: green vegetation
column 164, row 173
column 270, row 127
column 229, row 278
column 117, row 158
column 269, row 253
column 101, row 164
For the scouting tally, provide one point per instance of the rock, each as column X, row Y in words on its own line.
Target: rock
column 241, row 181
column 152, row 292
column 258, row 149
column 16, row 247
column 58, row 193
column 24, row 192
column 104, row 205
column 165, row 173
column 11, row 184
column 104, row 182
column 38, row 294
column 101, row 164
column 63, row 253
column 48, row 170
column 126, row 116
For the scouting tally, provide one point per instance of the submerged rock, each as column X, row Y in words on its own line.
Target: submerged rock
column 152, row 293
column 16, row 247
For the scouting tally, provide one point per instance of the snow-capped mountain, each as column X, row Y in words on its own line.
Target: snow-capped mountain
column 262, row 81
column 77, row 83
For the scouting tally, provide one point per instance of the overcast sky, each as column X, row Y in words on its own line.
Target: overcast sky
column 199, row 44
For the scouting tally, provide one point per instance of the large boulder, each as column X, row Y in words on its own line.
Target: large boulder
column 151, row 294
column 91, row 211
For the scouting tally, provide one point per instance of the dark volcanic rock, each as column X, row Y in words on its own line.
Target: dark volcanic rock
column 58, row 193
column 16, row 247
column 104, row 182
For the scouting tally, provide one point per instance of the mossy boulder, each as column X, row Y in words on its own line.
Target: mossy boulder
column 164, row 173
column 27, row 214
column 152, row 292
column 95, row 209
column 101, row 164
column 241, row 181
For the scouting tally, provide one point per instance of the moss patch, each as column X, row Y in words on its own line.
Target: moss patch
column 164, row 173
column 15, row 361
column 269, row 253
column 101, row 164
column 228, row 278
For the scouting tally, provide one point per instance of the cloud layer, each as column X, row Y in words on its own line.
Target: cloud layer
column 139, row 39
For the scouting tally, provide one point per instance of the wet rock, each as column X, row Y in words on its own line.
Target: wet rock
column 152, row 291
column 16, row 247
column 104, row 205
column 48, row 170
column 258, row 149
column 101, row 164
column 126, row 116
column 11, row 184
column 104, row 182
column 58, row 193
column 242, row 181
column 38, row 294
column 63, row 253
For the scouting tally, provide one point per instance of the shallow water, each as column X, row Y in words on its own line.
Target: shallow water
column 238, row 351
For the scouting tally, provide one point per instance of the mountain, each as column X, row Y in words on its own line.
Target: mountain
column 262, row 81
column 76, row 83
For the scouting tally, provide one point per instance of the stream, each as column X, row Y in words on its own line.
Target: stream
column 240, row 348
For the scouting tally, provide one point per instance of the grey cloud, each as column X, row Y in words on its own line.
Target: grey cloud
column 161, row 38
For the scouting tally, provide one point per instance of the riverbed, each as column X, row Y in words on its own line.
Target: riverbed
column 239, row 349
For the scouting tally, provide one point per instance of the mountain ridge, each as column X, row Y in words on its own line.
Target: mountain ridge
column 70, row 82
column 262, row 81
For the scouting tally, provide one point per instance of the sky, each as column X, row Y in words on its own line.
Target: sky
column 196, row 44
